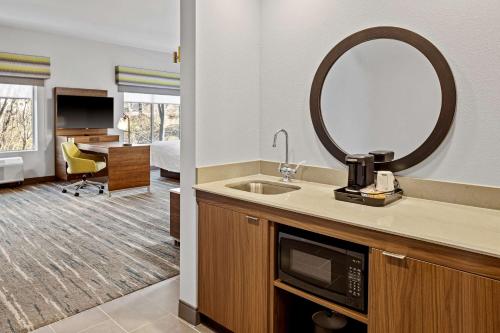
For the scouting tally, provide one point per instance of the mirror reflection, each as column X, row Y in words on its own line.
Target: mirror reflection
column 381, row 94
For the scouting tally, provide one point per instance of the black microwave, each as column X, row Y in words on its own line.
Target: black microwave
column 330, row 268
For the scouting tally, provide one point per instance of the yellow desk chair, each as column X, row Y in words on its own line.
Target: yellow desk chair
column 83, row 164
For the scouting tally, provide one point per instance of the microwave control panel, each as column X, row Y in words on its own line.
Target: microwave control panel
column 355, row 282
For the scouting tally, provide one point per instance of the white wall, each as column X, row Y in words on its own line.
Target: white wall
column 76, row 63
column 189, row 225
column 227, row 81
column 297, row 34
column 220, row 103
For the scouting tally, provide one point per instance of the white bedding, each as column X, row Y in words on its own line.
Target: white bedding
column 166, row 155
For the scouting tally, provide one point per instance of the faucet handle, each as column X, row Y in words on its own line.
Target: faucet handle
column 301, row 163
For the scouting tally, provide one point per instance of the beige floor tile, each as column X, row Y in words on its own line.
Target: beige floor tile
column 45, row 329
column 169, row 323
column 106, row 327
column 144, row 306
column 79, row 322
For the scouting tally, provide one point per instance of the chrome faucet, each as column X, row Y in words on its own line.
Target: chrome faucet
column 287, row 172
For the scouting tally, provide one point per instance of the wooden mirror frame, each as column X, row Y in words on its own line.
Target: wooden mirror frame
column 446, row 81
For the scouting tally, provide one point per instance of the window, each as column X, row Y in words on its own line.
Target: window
column 17, row 117
column 152, row 117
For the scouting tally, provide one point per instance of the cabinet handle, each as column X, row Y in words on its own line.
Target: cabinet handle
column 394, row 255
column 253, row 220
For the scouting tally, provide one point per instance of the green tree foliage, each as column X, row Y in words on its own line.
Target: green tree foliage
column 152, row 122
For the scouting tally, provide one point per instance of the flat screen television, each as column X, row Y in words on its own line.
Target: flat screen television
column 84, row 112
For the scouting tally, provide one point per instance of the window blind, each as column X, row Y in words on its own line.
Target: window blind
column 147, row 81
column 24, row 69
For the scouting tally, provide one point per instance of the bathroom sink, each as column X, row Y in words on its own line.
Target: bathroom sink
column 263, row 187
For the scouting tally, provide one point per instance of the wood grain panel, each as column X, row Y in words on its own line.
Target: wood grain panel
column 96, row 138
column 395, row 297
column 64, row 91
column 480, row 304
column 233, row 269
column 175, row 220
column 251, row 271
column 273, row 304
column 459, row 302
column 216, row 274
column 60, row 164
column 442, row 295
column 414, row 296
column 442, row 255
column 128, row 167
column 81, row 131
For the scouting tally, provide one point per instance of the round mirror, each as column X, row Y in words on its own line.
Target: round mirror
column 383, row 89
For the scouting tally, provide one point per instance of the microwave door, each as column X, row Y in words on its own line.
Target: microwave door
column 317, row 265
column 339, row 275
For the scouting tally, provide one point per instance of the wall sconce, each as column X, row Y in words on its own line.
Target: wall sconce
column 177, row 56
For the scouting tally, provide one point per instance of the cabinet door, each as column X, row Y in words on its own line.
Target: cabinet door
column 395, row 297
column 216, row 273
column 232, row 268
column 408, row 295
column 251, row 265
column 459, row 302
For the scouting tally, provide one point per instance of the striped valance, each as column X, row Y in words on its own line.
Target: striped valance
column 148, row 81
column 24, row 69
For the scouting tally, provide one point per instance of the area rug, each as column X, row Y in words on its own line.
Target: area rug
column 61, row 255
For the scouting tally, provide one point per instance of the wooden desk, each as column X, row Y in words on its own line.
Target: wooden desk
column 60, row 164
column 128, row 166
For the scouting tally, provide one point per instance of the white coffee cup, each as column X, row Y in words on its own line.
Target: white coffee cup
column 384, row 181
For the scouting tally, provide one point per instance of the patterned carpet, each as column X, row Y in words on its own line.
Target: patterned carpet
column 61, row 255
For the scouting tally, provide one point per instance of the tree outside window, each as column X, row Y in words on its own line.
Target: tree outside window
column 17, row 114
column 152, row 117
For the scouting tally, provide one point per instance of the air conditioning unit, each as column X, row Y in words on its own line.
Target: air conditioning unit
column 11, row 170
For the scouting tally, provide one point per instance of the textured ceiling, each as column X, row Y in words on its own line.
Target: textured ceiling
column 147, row 24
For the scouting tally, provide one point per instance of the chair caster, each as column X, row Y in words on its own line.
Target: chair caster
column 101, row 191
column 64, row 190
column 77, row 194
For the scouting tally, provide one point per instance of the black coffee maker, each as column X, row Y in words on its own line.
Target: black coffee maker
column 361, row 168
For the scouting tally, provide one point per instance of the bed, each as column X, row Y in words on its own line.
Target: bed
column 166, row 156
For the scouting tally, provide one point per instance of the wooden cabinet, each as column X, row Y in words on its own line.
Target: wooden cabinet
column 233, row 268
column 238, row 282
column 175, row 214
column 412, row 296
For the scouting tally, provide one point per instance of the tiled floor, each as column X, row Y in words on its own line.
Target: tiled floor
column 150, row 310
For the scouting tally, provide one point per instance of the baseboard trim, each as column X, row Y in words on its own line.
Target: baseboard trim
column 188, row 313
column 38, row 180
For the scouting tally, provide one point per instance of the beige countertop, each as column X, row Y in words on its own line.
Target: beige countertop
column 463, row 227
